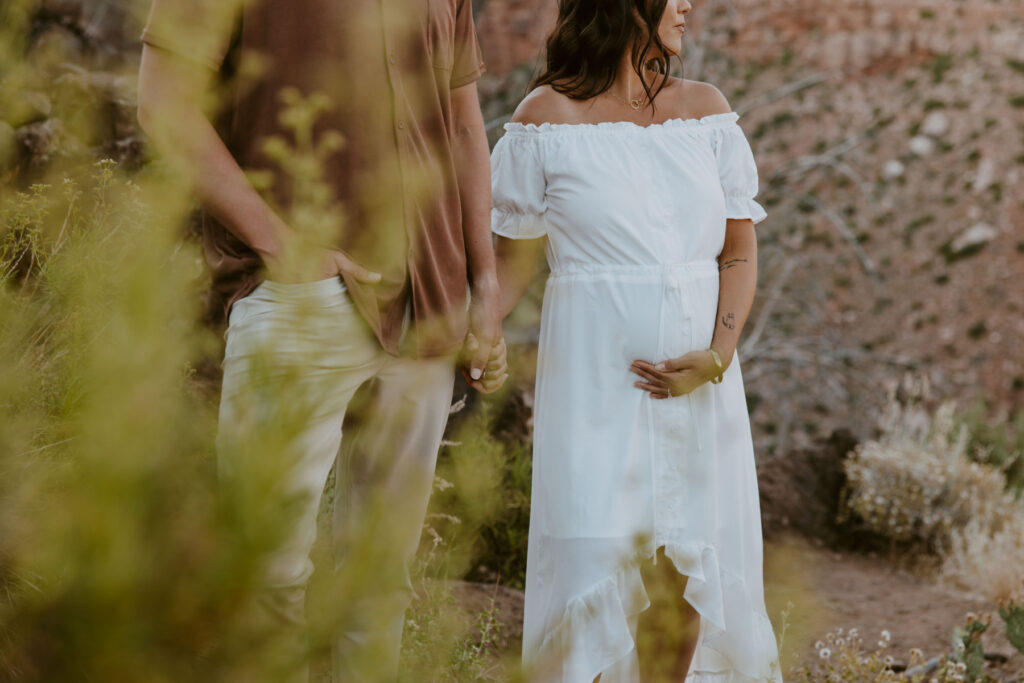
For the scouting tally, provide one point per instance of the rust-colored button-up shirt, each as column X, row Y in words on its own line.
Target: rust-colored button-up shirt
column 386, row 69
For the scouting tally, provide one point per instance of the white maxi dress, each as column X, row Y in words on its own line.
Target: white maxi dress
column 635, row 217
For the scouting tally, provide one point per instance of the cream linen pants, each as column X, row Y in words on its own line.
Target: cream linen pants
column 295, row 356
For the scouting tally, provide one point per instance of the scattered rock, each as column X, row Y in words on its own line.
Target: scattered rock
column 893, row 169
column 44, row 140
column 986, row 174
column 922, row 145
column 936, row 124
column 977, row 235
column 969, row 242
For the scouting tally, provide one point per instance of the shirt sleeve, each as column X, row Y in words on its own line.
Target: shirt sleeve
column 518, row 188
column 197, row 30
column 469, row 60
column 738, row 173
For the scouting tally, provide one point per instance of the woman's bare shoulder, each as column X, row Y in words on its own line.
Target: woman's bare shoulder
column 545, row 105
column 696, row 99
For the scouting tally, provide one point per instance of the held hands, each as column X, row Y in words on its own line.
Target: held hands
column 492, row 367
column 675, row 376
column 484, row 361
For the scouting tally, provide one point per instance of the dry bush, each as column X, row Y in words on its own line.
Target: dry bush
column 986, row 557
column 918, row 485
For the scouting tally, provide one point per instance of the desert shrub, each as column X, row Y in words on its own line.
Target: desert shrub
column 918, row 485
column 986, row 557
column 915, row 484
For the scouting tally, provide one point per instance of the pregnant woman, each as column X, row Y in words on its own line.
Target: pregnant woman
column 641, row 187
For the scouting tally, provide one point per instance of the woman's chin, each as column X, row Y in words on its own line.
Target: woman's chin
column 673, row 47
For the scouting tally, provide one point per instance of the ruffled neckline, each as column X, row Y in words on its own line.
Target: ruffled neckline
column 710, row 120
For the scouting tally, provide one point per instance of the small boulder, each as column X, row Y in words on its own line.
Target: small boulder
column 985, row 175
column 893, row 169
column 977, row 235
column 968, row 242
column 936, row 124
column 922, row 145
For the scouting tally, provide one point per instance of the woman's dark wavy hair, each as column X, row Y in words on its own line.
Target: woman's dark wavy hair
column 585, row 49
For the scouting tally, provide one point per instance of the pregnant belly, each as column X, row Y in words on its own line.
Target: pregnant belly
column 591, row 425
column 613, row 322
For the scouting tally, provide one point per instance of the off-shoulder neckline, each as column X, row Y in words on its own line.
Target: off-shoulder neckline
column 668, row 124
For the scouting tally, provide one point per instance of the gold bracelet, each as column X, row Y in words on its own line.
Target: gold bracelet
column 718, row 367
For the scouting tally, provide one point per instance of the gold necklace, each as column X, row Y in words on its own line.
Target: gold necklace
column 634, row 103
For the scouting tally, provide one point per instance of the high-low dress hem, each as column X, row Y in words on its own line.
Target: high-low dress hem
column 738, row 639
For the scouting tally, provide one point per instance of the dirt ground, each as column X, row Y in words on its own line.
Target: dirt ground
column 828, row 590
column 832, row 589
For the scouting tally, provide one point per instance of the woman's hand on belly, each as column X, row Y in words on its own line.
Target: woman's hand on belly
column 675, row 376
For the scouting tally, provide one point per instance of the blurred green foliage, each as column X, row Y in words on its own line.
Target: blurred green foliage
column 438, row 624
column 483, row 537
column 122, row 556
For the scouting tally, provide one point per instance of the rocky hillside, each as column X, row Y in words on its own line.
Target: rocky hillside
column 890, row 141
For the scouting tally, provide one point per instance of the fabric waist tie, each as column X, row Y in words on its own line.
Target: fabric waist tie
column 683, row 270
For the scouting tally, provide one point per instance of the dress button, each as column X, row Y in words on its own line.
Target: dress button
column 391, row 58
column 401, row 125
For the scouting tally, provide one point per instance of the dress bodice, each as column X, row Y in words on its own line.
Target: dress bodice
column 621, row 194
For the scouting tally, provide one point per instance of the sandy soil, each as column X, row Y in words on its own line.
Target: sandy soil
column 832, row 589
column 828, row 590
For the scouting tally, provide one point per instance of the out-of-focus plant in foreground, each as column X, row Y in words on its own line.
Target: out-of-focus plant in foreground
column 122, row 556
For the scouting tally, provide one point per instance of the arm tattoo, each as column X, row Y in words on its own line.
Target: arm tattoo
column 729, row 320
column 731, row 263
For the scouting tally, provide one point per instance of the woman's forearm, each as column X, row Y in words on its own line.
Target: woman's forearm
column 737, row 266
column 516, row 260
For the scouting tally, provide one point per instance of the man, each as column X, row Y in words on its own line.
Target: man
column 344, row 273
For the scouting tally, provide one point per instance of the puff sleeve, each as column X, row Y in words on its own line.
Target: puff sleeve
column 738, row 173
column 518, row 187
